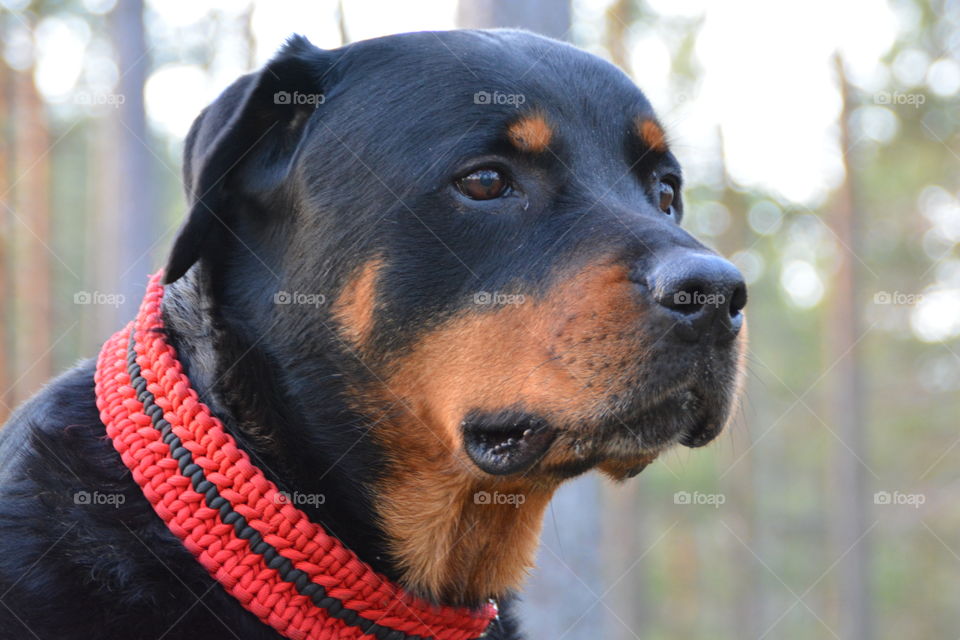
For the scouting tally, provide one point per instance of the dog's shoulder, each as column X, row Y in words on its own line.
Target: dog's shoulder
column 55, row 464
column 45, row 430
column 81, row 549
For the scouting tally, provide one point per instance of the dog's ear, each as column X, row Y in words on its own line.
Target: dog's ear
column 247, row 137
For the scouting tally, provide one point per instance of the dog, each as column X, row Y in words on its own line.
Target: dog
column 423, row 280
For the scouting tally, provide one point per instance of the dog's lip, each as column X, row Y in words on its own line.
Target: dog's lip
column 703, row 432
column 678, row 400
column 505, row 443
column 679, row 392
column 703, row 426
column 679, row 415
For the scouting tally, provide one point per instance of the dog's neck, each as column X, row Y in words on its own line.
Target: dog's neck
column 461, row 540
column 437, row 538
column 311, row 446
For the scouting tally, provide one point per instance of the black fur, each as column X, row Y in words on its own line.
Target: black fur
column 287, row 197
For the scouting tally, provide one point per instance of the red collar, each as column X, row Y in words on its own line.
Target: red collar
column 264, row 551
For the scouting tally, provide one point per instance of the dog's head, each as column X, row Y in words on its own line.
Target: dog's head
column 480, row 233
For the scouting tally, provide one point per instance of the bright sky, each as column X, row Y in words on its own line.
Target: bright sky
column 767, row 85
column 767, row 88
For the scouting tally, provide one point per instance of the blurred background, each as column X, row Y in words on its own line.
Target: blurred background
column 821, row 142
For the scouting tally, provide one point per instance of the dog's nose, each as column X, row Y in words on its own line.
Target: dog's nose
column 701, row 292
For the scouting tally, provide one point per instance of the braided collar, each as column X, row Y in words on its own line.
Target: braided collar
column 264, row 551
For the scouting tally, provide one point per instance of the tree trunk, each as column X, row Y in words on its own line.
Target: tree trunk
column 103, row 231
column 751, row 473
column 619, row 17
column 547, row 17
column 850, row 494
column 6, row 225
column 624, row 537
column 137, row 207
column 32, row 293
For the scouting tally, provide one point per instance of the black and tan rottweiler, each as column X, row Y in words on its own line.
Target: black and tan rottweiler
column 415, row 270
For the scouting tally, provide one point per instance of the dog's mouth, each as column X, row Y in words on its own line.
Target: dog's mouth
column 506, row 442
column 513, row 441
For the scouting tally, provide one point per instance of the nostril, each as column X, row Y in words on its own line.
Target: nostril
column 738, row 300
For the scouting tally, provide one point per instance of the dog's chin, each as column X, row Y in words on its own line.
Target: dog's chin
column 633, row 439
column 621, row 442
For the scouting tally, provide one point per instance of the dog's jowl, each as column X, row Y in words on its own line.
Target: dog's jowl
column 422, row 281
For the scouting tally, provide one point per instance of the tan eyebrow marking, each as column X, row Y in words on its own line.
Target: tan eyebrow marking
column 531, row 133
column 651, row 134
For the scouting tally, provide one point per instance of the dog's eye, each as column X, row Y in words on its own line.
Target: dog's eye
column 483, row 184
column 666, row 197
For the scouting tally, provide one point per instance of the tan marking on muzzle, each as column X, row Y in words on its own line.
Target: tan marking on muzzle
column 557, row 355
